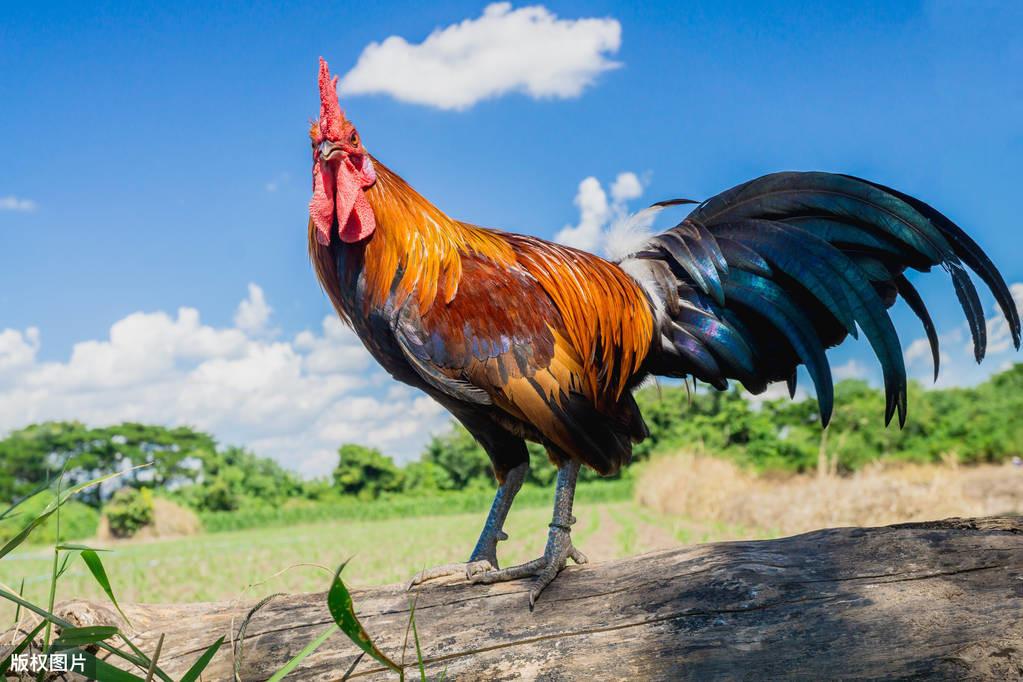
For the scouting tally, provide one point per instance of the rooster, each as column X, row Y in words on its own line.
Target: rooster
column 523, row 339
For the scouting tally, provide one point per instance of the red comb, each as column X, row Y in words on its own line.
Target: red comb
column 330, row 110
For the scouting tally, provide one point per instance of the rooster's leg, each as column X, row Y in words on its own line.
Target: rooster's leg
column 559, row 542
column 484, row 556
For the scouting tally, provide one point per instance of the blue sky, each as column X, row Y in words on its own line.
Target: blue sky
column 157, row 158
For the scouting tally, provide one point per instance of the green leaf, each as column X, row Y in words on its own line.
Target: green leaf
column 77, row 637
column 71, row 547
column 140, row 661
column 5, row 665
column 415, row 637
column 17, row 609
column 7, row 513
column 355, row 662
column 54, row 505
column 146, row 661
column 193, row 673
column 64, row 565
column 92, row 560
column 101, row 671
column 342, row 609
column 301, row 656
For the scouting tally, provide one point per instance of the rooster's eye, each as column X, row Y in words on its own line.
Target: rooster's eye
column 354, row 139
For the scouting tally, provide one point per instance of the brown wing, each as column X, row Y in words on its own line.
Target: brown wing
column 503, row 341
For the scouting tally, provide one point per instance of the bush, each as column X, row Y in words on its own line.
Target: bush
column 366, row 472
column 78, row 521
column 129, row 510
column 218, row 496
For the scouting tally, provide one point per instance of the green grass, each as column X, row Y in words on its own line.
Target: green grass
column 460, row 502
column 219, row 566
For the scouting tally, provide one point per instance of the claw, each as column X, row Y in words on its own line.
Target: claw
column 474, row 568
column 468, row 570
column 511, row 573
column 546, row 568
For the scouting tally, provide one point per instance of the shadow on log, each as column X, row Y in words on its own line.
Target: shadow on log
column 938, row 600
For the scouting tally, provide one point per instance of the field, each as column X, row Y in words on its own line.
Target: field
column 714, row 489
column 253, row 563
column 678, row 500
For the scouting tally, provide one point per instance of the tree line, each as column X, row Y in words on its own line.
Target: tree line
column 970, row 425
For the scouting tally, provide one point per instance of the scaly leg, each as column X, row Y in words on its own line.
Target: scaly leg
column 484, row 556
column 559, row 542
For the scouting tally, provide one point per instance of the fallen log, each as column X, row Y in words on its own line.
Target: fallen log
column 937, row 600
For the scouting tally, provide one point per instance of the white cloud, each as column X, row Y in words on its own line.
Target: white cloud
column 853, row 369
column 338, row 349
column 19, row 204
column 958, row 367
column 917, row 351
column 626, row 187
column 18, row 349
column 527, row 50
column 999, row 338
column 593, row 215
column 253, row 312
column 601, row 222
column 296, row 400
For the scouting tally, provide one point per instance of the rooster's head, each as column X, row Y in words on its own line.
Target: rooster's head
column 342, row 170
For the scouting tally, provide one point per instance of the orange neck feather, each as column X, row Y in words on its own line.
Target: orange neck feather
column 412, row 237
column 419, row 240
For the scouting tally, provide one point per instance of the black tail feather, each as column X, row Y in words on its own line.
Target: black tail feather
column 786, row 265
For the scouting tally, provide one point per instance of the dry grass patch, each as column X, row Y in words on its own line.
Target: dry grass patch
column 705, row 488
column 170, row 520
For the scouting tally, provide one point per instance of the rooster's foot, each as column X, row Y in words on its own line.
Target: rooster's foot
column 559, row 550
column 467, row 570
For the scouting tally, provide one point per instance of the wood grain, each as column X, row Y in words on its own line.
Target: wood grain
column 937, row 600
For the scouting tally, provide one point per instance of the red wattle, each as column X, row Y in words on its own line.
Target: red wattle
column 321, row 206
column 352, row 205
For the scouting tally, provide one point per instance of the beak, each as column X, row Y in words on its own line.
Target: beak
column 330, row 150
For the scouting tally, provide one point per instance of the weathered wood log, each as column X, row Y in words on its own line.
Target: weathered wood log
column 931, row 600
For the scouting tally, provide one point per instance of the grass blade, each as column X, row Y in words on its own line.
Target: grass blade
column 342, row 609
column 146, row 662
column 17, row 609
column 5, row 664
column 59, row 500
column 415, row 638
column 92, row 560
column 202, row 662
column 240, row 637
column 71, row 547
column 301, row 656
column 140, row 661
column 55, row 573
column 98, row 669
column 7, row 513
column 65, row 564
column 351, row 668
column 156, row 657
column 72, row 638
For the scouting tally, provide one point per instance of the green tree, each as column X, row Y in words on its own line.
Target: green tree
column 366, row 472
column 460, row 458
column 32, row 456
column 40, row 452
